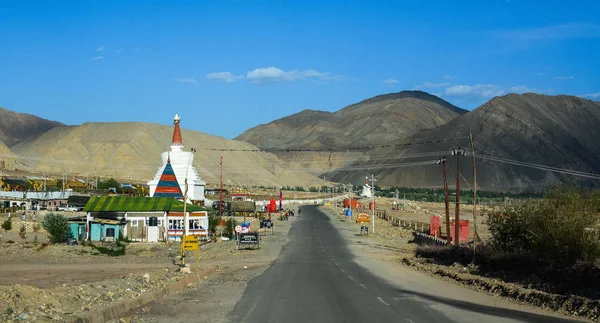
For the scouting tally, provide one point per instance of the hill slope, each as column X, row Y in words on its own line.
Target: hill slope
column 559, row 131
column 132, row 150
column 372, row 121
column 8, row 159
column 18, row 127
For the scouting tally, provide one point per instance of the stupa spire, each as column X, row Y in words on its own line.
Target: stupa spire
column 177, row 141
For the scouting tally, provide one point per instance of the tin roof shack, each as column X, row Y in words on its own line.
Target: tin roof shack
column 143, row 219
column 77, row 227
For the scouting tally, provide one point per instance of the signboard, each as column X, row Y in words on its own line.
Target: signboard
column 249, row 238
column 266, row 223
column 244, row 230
column 363, row 218
column 190, row 243
column 238, row 228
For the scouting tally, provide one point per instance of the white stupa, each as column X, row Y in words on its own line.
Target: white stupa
column 181, row 161
column 367, row 189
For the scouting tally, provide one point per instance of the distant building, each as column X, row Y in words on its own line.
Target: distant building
column 177, row 166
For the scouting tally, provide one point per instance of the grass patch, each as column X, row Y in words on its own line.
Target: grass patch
column 114, row 250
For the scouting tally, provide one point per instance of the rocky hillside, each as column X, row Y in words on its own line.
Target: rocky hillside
column 132, row 150
column 559, row 131
column 370, row 122
column 18, row 127
column 8, row 159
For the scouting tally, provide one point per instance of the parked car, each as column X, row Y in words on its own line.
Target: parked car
column 70, row 208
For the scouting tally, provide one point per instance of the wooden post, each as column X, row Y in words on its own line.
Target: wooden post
column 475, row 237
column 457, row 216
column 448, row 235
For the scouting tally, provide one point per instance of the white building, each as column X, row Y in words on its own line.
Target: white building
column 182, row 162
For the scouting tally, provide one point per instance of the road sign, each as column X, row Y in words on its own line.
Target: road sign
column 245, row 230
column 238, row 228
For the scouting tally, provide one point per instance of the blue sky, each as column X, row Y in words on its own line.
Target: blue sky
column 226, row 66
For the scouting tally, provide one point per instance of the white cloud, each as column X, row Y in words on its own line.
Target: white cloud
column 390, row 82
column 559, row 78
column 592, row 96
column 449, row 77
column 563, row 31
column 224, row 77
column 485, row 91
column 430, row 85
column 475, row 91
column 187, row 80
column 119, row 51
column 95, row 58
column 99, row 49
column 274, row 74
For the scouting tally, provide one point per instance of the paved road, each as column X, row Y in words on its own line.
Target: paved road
column 316, row 280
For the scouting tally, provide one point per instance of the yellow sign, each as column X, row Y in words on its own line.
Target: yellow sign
column 363, row 218
column 190, row 243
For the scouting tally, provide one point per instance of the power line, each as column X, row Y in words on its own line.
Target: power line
column 337, row 149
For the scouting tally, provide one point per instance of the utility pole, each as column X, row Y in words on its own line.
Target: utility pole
column 475, row 236
column 221, row 189
column 448, row 234
column 457, row 152
column 373, row 196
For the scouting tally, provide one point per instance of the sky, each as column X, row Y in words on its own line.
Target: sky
column 226, row 66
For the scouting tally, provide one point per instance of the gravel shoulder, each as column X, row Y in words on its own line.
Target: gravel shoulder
column 211, row 299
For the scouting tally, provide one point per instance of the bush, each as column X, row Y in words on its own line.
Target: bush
column 7, row 225
column 556, row 227
column 23, row 232
column 36, row 227
column 57, row 227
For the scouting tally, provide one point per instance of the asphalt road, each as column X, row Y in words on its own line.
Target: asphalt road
column 315, row 279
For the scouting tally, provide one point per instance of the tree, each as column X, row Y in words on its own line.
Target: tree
column 7, row 225
column 57, row 227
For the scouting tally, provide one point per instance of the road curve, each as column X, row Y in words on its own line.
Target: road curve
column 315, row 279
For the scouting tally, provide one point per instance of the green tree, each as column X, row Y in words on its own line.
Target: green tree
column 7, row 225
column 57, row 227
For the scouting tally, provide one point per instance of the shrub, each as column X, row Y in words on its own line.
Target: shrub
column 36, row 227
column 23, row 232
column 57, row 227
column 7, row 225
column 555, row 227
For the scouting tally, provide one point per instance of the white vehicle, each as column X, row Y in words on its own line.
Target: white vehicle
column 68, row 208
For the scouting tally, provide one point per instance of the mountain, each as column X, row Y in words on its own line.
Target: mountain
column 18, row 127
column 372, row 121
column 559, row 131
column 8, row 160
column 132, row 150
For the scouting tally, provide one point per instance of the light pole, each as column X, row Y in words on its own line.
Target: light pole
column 373, row 196
column 185, row 215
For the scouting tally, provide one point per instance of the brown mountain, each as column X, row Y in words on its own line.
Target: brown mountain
column 8, row 160
column 131, row 150
column 559, row 131
column 372, row 121
column 17, row 127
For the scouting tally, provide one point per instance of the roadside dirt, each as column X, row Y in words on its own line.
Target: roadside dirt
column 210, row 300
column 49, row 283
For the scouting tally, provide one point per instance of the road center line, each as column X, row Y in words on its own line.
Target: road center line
column 351, row 277
column 363, row 286
column 381, row 300
column 342, row 270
